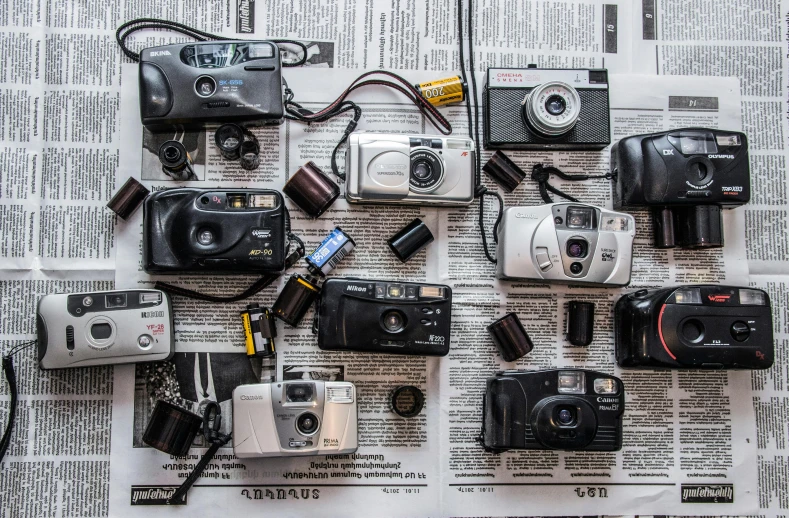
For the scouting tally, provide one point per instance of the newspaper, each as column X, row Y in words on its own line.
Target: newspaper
column 70, row 135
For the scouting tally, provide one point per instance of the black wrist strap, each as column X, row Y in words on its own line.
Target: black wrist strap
column 541, row 174
column 10, row 377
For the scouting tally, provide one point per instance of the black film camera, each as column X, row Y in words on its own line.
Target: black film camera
column 214, row 82
column 542, row 108
column 384, row 317
column 562, row 409
column 685, row 176
column 209, row 230
column 697, row 327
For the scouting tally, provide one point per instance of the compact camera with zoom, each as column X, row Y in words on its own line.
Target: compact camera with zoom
column 685, row 176
column 294, row 418
column 103, row 328
column 546, row 108
column 566, row 242
column 409, row 169
column 384, row 317
column 695, row 327
column 211, row 230
column 562, row 409
column 213, row 82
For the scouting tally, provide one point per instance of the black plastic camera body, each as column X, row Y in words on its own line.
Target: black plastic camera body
column 685, row 176
column 214, row 230
column 211, row 82
column 695, row 327
column 558, row 409
column 384, row 317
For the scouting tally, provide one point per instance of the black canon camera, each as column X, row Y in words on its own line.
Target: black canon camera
column 559, row 409
column 546, row 108
column 384, row 317
column 210, row 230
column 213, row 82
column 685, row 176
column 695, row 327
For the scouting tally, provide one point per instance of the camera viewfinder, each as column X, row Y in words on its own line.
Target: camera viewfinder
column 605, row 386
column 115, row 300
column 299, row 392
column 572, row 382
column 236, row 201
column 580, row 217
column 394, row 291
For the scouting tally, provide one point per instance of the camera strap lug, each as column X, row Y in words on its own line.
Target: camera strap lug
column 541, row 174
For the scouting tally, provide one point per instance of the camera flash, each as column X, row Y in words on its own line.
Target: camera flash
column 752, row 297
column 262, row 201
column 572, row 382
column 687, row 296
column 614, row 224
column 150, row 298
column 728, row 140
column 339, row 394
column 431, row 291
column 605, row 386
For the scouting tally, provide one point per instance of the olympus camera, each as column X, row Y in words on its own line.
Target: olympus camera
column 213, row 82
column 696, row 327
column 685, row 176
column 384, row 317
column 544, row 108
column 409, row 169
column 565, row 409
column 103, row 328
column 566, row 242
column 210, row 230
column 294, row 418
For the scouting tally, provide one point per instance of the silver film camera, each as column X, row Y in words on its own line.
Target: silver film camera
column 566, row 242
column 294, row 418
column 409, row 169
column 103, row 328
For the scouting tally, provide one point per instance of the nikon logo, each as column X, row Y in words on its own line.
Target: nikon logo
column 708, row 494
column 246, row 397
column 730, row 157
column 152, row 495
column 352, row 287
column 155, row 53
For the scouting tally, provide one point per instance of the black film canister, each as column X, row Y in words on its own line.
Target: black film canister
column 250, row 154
column 311, row 189
column 410, row 240
column 504, row 171
column 128, row 198
column 295, row 299
column 663, row 227
column 172, row 429
column 580, row 323
column 699, row 226
column 175, row 160
column 407, row 401
column 510, row 337
column 228, row 139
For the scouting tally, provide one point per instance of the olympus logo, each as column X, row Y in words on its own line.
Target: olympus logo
column 390, row 166
column 352, row 287
column 526, row 215
column 730, row 157
column 155, row 53
column 245, row 397
column 607, row 400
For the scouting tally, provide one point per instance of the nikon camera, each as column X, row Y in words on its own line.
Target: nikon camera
column 214, row 230
column 567, row 409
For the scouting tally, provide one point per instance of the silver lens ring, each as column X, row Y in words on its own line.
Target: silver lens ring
column 552, row 109
column 427, row 171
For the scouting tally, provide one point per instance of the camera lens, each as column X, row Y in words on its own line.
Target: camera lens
column 422, row 171
column 426, row 171
column 307, row 423
column 205, row 86
column 393, row 321
column 577, row 248
column 576, row 268
column 551, row 109
column 229, row 138
column 205, row 237
column 555, row 105
column 565, row 416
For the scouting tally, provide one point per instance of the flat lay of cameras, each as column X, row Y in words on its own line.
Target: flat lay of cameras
column 685, row 176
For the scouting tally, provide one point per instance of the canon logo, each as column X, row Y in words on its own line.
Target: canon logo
column 155, row 53
column 526, row 215
column 730, row 157
column 607, row 400
column 246, row 397
column 352, row 287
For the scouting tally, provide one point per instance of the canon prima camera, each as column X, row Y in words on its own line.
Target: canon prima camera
column 546, row 108
column 696, row 327
column 104, row 327
column 294, row 418
column 384, row 317
column 563, row 409
column 211, row 230
column 685, row 176
column 566, row 242
column 409, row 169
column 214, row 82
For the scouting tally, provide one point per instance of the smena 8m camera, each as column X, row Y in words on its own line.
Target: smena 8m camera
column 685, row 176
column 563, row 409
column 566, row 242
column 695, row 327
column 409, row 169
column 103, row 328
column 384, row 317
column 546, row 108
column 214, row 82
column 210, row 230
column 294, row 418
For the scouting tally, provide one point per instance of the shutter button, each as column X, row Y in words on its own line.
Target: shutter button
column 740, row 331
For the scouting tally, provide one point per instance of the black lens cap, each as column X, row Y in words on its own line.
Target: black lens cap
column 407, row 401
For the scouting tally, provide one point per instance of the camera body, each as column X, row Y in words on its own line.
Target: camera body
column 294, row 418
column 685, row 176
column 546, row 108
column 384, row 317
column 566, row 242
column 409, row 169
column 195, row 84
column 104, row 328
column 558, row 409
column 214, row 230
column 695, row 327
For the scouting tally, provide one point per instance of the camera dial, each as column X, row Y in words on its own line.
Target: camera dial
column 552, row 109
column 307, row 423
column 427, row 171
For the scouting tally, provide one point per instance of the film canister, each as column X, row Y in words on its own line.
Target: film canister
column 295, row 299
column 172, row 429
column 407, row 401
column 580, row 323
column 510, row 337
column 332, row 249
column 311, row 189
column 176, row 162
column 128, row 198
column 443, row 91
column 260, row 329
column 228, row 139
column 410, row 240
column 504, row 171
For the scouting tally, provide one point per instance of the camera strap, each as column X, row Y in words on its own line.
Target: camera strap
column 541, row 174
column 10, row 377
